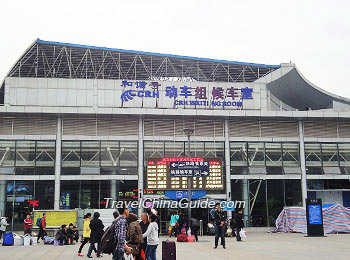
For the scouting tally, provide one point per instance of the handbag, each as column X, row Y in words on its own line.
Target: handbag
column 243, row 233
column 128, row 257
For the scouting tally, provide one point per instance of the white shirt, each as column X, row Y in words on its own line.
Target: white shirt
column 152, row 234
column 3, row 224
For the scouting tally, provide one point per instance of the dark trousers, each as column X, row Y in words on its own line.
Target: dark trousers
column 238, row 236
column 28, row 231
column 194, row 231
column 219, row 232
column 41, row 234
column 1, row 233
column 92, row 247
column 118, row 255
column 83, row 243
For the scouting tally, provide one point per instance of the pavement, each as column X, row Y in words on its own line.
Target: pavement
column 257, row 246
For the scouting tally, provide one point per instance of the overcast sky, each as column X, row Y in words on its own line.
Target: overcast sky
column 313, row 34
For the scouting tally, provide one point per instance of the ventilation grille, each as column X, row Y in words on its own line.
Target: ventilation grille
column 100, row 126
column 27, row 126
column 320, row 129
column 250, row 128
column 175, row 127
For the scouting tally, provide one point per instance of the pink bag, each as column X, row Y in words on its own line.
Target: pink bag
column 190, row 238
column 183, row 231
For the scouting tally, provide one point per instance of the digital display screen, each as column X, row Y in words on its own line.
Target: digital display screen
column 158, row 175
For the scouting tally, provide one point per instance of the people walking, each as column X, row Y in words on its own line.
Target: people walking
column 173, row 221
column 219, row 225
column 194, row 226
column 28, row 225
column 134, row 234
column 144, row 225
column 3, row 225
column 86, row 233
column 152, row 238
column 239, row 223
column 120, row 235
column 96, row 234
column 41, row 222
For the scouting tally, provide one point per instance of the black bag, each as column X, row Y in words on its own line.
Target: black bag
column 168, row 250
column 108, row 243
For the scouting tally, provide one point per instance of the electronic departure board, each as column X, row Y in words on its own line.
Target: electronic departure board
column 158, row 175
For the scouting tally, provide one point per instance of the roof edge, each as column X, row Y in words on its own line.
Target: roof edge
column 158, row 54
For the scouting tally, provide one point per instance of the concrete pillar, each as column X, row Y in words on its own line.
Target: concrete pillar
column 228, row 165
column 245, row 198
column 58, row 164
column 114, row 189
column 140, row 162
column 3, row 187
column 302, row 162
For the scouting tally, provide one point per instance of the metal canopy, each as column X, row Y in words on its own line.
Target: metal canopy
column 46, row 59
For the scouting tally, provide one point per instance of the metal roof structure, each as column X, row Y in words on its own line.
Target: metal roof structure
column 47, row 59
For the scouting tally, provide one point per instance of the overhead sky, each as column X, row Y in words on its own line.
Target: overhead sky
column 313, row 34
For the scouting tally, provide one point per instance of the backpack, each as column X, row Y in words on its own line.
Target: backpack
column 38, row 222
column 108, row 243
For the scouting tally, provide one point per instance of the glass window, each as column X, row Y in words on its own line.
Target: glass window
column 290, row 154
column 45, row 153
column 313, row 154
column 273, row 154
column 7, row 153
column 110, row 153
column 90, row 153
column 256, row 154
column 197, row 149
column 176, row 149
column 70, row 154
column 25, row 153
column 329, row 155
column 44, row 193
column 238, row 154
column 128, row 154
column 89, row 195
column 344, row 154
column 153, row 149
column 70, row 198
column 214, row 149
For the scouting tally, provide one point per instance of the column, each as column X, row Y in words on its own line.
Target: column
column 114, row 189
column 58, row 164
column 302, row 162
column 245, row 198
column 228, row 165
column 3, row 187
column 140, row 162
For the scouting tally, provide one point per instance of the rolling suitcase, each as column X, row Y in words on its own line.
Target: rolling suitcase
column 168, row 250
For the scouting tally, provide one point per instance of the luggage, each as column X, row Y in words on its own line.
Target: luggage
column 182, row 238
column 168, row 250
column 48, row 240
column 18, row 241
column 183, row 230
column 243, row 234
column 34, row 241
column 189, row 232
column 190, row 238
column 26, row 240
column 8, row 239
column 38, row 222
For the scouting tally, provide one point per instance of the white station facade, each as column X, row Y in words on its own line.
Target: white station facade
column 79, row 124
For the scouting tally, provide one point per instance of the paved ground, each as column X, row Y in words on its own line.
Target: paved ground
column 257, row 246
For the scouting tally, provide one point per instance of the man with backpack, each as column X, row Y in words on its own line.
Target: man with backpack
column 3, row 225
column 194, row 226
column 120, row 235
column 41, row 223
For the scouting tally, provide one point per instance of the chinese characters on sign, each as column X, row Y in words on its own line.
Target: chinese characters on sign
column 159, row 175
column 188, row 93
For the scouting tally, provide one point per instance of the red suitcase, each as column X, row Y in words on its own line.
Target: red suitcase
column 168, row 250
column 182, row 238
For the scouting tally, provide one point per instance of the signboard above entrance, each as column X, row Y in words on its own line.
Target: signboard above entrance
column 189, row 169
column 195, row 95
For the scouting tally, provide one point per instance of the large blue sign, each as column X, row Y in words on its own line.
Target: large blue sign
column 315, row 214
column 178, row 195
column 185, row 95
